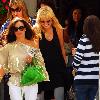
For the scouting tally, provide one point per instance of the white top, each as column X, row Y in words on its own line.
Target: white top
column 12, row 59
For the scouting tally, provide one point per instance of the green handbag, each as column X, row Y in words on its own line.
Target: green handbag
column 32, row 74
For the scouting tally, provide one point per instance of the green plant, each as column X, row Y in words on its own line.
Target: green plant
column 4, row 5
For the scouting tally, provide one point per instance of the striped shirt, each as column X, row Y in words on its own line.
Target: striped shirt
column 86, row 62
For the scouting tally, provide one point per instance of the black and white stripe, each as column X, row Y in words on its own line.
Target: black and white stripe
column 86, row 62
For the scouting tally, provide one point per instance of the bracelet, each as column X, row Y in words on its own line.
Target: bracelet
column 74, row 72
column 75, row 69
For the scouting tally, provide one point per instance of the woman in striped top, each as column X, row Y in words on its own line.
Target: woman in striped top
column 86, row 60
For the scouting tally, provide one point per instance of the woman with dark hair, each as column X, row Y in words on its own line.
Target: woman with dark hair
column 45, row 3
column 16, row 54
column 17, row 8
column 75, row 25
column 86, row 60
column 11, row 37
column 72, row 32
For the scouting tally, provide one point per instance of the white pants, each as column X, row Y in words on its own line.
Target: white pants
column 29, row 92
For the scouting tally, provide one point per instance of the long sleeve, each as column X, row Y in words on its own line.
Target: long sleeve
column 32, row 21
column 79, row 52
column 4, row 26
column 86, row 61
column 4, row 57
column 35, row 53
column 40, row 59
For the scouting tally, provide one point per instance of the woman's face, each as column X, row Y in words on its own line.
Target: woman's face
column 46, row 23
column 19, row 30
column 76, row 15
column 16, row 12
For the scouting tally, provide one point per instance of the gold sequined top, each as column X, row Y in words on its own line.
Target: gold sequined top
column 12, row 59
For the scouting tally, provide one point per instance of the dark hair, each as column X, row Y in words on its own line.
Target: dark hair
column 70, row 17
column 91, row 28
column 46, row 2
column 11, row 37
column 71, row 28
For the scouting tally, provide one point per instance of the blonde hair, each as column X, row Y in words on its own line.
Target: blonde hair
column 46, row 12
column 21, row 4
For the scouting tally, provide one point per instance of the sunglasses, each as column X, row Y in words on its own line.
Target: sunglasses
column 20, row 28
column 48, row 21
column 17, row 9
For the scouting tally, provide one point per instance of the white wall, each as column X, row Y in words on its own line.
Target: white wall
column 31, row 5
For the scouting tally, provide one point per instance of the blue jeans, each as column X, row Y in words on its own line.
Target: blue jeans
column 85, row 92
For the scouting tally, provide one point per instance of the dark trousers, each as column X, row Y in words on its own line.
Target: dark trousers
column 86, row 91
column 1, row 91
column 6, row 87
column 48, row 95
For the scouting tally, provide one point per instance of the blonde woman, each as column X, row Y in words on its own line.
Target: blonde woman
column 52, row 48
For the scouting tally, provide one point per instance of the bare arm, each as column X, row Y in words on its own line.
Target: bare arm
column 61, row 40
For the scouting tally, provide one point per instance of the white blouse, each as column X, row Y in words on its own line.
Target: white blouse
column 12, row 59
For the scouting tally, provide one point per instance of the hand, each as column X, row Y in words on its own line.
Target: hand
column 73, row 51
column 74, row 72
column 28, row 59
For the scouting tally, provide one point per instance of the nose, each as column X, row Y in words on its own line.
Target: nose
column 46, row 23
column 15, row 13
